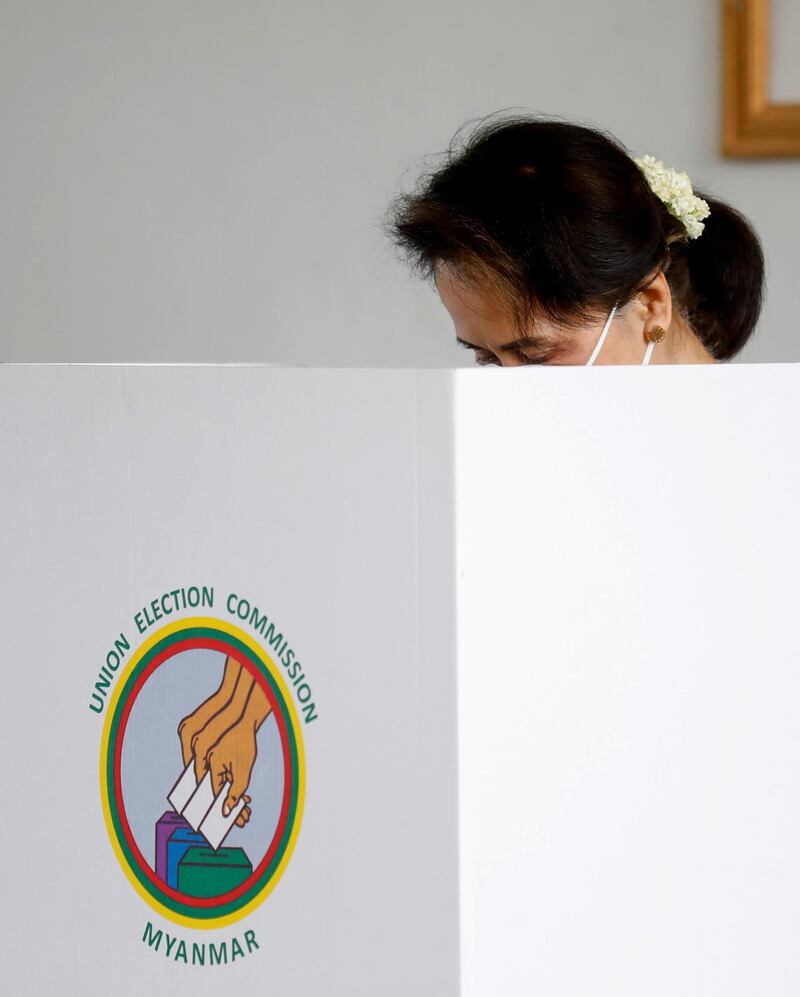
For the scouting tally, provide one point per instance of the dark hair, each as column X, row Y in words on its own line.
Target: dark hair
column 558, row 220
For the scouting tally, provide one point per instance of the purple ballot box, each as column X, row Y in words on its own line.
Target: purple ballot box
column 167, row 823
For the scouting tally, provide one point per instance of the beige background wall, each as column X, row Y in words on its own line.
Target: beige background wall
column 205, row 181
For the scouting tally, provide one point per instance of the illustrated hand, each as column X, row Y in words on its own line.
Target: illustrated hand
column 231, row 761
column 228, row 717
column 220, row 735
column 191, row 725
column 232, row 758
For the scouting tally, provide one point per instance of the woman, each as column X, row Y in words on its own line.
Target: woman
column 549, row 243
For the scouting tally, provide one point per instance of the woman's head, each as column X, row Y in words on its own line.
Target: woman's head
column 535, row 227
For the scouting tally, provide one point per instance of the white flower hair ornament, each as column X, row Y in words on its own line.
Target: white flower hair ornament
column 675, row 190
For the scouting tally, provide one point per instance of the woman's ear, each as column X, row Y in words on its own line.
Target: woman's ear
column 655, row 302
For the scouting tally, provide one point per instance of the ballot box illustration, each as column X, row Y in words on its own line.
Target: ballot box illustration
column 206, row 872
column 180, row 841
column 451, row 683
column 168, row 823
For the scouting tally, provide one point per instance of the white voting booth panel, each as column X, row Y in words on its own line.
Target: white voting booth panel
column 505, row 662
column 296, row 491
column 629, row 688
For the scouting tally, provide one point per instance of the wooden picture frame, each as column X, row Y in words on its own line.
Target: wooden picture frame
column 751, row 124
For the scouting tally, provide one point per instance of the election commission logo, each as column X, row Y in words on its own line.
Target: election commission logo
column 202, row 772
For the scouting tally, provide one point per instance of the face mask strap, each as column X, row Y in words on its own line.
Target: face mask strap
column 599, row 344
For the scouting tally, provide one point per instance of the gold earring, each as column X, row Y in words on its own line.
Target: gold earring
column 656, row 334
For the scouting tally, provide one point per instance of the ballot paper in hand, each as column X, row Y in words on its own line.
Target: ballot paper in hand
column 182, row 791
column 215, row 826
column 198, row 805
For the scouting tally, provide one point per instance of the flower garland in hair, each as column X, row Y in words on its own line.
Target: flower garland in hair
column 675, row 190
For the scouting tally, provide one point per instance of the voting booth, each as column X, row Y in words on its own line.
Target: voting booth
column 388, row 682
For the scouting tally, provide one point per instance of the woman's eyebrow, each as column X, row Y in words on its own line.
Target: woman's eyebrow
column 515, row 344
column 537, row 342
column 471, row 346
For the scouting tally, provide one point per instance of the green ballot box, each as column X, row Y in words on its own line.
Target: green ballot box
column 203, row 872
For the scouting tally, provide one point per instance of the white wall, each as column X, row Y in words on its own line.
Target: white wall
column 204, row 181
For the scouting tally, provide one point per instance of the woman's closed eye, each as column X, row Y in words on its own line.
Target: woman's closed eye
column 486, row 358
column 540, row 358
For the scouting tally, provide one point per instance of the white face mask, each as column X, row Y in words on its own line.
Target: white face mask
column 598, row 345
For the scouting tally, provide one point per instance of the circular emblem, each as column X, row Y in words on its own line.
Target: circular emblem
column 201, row 773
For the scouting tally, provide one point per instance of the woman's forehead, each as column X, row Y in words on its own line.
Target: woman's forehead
column 471, row 305
column 481, row 319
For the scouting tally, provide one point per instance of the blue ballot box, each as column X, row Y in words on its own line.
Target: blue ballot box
column 179, row 841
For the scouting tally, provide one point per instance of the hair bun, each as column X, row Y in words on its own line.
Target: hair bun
column 726, row 270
